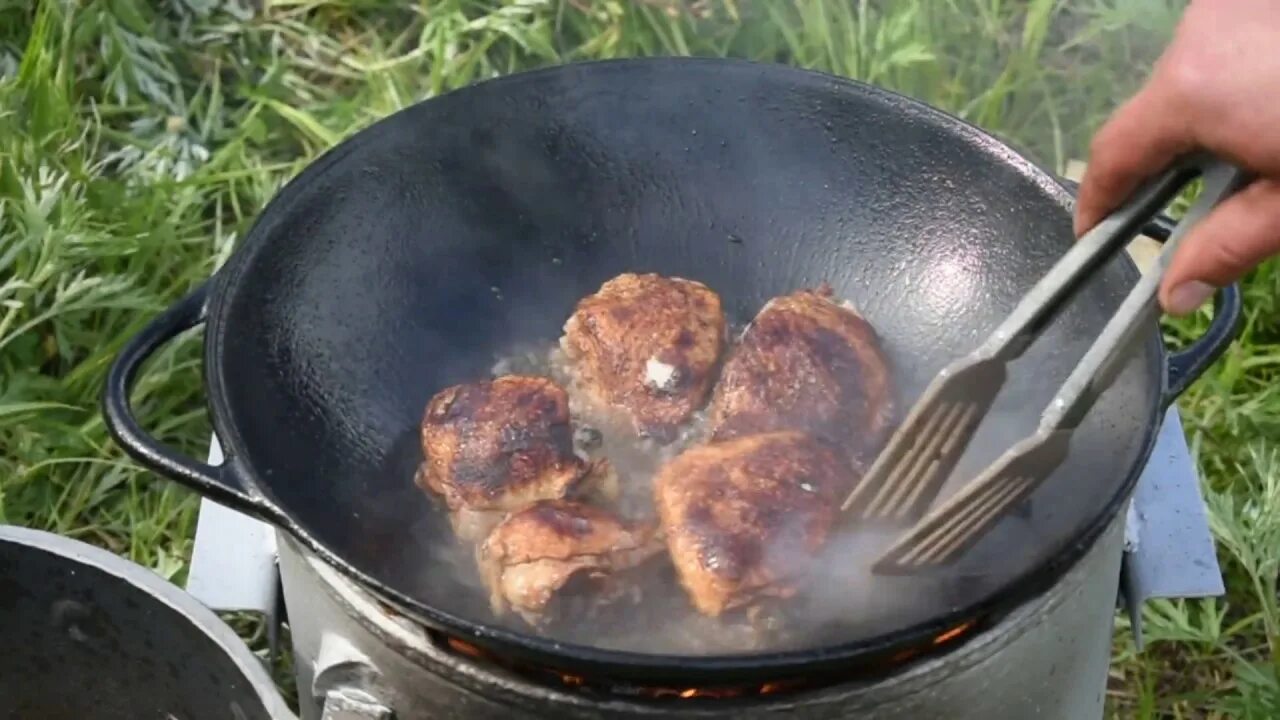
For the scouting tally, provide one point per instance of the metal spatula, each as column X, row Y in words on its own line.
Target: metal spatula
column 909, row 473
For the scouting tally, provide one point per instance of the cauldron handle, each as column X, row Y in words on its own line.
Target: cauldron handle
column 1185, row 366
column 221, row 483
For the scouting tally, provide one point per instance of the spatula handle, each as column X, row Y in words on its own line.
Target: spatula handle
column 1140, row 308
column 1086, row 256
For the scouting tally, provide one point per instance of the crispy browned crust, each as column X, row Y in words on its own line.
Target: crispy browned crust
column 806, row 363
column 500, row 444
column 743, row 517
column 614, row 334
column 534, row 552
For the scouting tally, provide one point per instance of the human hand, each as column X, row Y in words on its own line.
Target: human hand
column 1215, row 88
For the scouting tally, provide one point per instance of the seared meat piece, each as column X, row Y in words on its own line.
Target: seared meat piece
column 744, row 517
column 534, row 553
column 647, row 346
column 806, row 363
column 496, row 446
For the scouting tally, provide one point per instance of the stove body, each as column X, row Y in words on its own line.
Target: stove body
column 1048, row 659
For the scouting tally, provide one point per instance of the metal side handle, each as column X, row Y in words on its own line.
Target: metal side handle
column 353, row 704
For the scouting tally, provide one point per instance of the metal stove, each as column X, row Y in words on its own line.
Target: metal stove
column 356, row 659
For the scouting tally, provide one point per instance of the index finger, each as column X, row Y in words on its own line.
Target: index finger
column 1139, row 140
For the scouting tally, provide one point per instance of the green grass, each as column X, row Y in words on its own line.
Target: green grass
column 136, row 145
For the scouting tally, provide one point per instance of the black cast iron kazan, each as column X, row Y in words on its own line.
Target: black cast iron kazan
column 411, row 255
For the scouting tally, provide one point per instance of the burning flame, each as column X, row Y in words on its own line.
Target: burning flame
column 952, row 634
column 768, row 688
column 467, row 649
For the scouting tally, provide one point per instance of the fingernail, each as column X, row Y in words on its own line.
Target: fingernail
column 1188, row 297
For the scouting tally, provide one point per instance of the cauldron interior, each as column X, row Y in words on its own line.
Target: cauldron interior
column 414, row 255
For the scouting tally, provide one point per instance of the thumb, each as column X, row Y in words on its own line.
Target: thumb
column 1237, row 236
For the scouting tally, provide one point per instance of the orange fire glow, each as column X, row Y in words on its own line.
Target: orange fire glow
column 467, row 649
column 769, row 688
column 952, row 634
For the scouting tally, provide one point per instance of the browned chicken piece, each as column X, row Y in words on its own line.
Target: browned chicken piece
column 647, row 346
column 806, row 363
column 498, row 445
column 743, row 518
column 534, row 554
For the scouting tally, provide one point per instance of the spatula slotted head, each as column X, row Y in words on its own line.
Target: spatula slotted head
column 956, row 525
column 908, row 474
